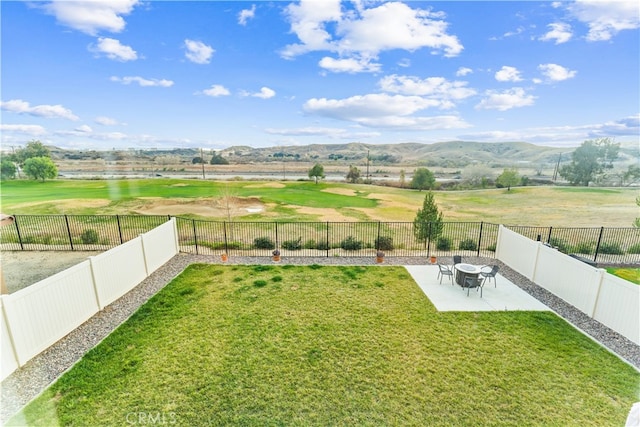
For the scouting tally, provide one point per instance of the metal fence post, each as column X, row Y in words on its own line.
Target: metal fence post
column 119, row 228
column 598, row 244
column 15, row 221
column 224, row 230
column 429, row 240
column 378, row 239
column 66, row 220
column 328, row 246
column 480, row 238
column 195, row 235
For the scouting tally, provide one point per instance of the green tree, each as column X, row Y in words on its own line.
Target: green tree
column 636, row 223
column 508, row 178
column 317, row 171
column 428, row 222
column 353, row 175
column 40, row 168
column 589, row 161
column 423, row 179
column 7, row 169
column 217, row 159
column 402, row 178
column 33, row 149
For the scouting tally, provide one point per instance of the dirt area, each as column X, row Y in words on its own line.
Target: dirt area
column 208, row 207
column 23, row 268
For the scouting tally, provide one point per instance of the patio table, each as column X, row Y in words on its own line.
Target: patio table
column 465, row 270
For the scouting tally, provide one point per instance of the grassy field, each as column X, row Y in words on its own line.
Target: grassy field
column 630, row 274
column 305, row 201
column 292, row 345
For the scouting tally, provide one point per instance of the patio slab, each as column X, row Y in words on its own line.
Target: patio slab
column 505, row 296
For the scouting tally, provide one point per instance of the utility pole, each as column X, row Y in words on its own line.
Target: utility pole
column 202, row 161
column 555, row 171
column 368, row 176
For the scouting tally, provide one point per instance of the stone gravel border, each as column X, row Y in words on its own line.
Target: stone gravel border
column 29, row 381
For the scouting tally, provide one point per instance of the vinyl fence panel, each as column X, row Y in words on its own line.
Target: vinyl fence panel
column 8, row 360
column 45, row 312
column 517, row 252
column 118, row 270
column 160, row 245
column 618, row 306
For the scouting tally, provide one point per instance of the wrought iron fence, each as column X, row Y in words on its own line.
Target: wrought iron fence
column 599, row 244
column 304, row 239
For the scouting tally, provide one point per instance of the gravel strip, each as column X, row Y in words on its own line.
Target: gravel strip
column 30, row 380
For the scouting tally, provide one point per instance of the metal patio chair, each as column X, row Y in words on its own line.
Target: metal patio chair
column 489, row 272
column 473, row 282
column 444, row 271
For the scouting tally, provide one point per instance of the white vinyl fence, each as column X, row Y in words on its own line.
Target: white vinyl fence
column 36, row 317
column 610, row 300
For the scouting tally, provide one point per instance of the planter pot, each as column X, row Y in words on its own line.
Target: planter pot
column 224, row 257
column 379, row 259
column 276, row 258
column 433, row 260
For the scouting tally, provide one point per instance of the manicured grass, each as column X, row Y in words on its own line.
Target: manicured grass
column 294, row 345
column 535, row 206
column 630, row 274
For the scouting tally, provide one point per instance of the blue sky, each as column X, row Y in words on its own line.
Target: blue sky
column 109, row 74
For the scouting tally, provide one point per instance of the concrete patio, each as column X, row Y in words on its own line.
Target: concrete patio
column 447, row 297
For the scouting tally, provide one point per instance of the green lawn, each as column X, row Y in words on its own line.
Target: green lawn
column 294, row 345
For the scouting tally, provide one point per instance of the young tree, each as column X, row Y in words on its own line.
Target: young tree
column 217, row 159
column 353, row 175
column 428, row 222
column 317, row 171
column 508, row 178
column 423, row 179
column 7, row 169
column 40, row 168
column 590, row 160
column 636, row 223
column 402, row 178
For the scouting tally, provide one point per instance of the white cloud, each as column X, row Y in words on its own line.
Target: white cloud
column 113, row 49
column 404, row 63
column 216, row 90
column 106, row 121
column 91, row 17
column 335, row 133
column 559, row 32
column 84, row 129
column 198, row 52
column 383, row 110
column 246, row 14
column 506, row 100
column 463, row 71
column 142, row 81
column 265, row 93
column 356, row 33
column 33, row 130
column 508, row 74
column 437, row 88
column 556, row 73
column 605, row 19
column 349, row 65
column 19, row 106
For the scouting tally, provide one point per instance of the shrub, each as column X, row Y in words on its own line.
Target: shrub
column 89, row 236
column 634, row 249
column 584, row 248
column 443, row 244
column 610, row 248
column 322, row 246
column 491, row 247
column 384, row 243
column 293, row 245
column 263, row 243
column 468, row 245
column 310, row 244
column 351, row 244
column 559, row 244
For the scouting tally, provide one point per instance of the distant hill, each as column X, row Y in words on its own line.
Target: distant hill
column 443, row 154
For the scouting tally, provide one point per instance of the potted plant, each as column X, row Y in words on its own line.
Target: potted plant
column 224, row 257
column 276, row 255
column 433, row 259
column 379, row 257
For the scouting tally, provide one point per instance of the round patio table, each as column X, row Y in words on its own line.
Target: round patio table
column 465, row 270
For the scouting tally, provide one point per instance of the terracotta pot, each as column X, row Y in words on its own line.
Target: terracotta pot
column 433, row 260
column 276, row 258
column 224, row 257
column 379, row 259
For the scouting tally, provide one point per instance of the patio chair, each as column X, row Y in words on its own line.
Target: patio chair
column 489, row 272
column 444, row 271
column 473, row 282
column 457, row 259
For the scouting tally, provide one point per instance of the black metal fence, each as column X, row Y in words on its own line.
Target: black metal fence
column 305, row 239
